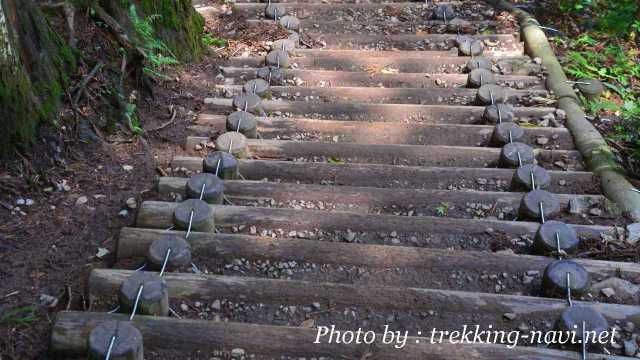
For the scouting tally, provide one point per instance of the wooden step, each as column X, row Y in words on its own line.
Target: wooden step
column 392, row 176
column 433, row 231
column 367, row 132
column 380, row 95
column 379, row 200
column 392, row 154
column 433, row 114
column 401, row 80
column 104, row 283
column 70, row 332
column 361, row 62
column 135, row 242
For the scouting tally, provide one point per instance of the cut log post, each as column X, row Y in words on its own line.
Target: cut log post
column 71, row 329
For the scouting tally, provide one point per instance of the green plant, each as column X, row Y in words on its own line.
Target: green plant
column 210, row 40
column 19, row 316
column 131, row 116
column 156, row 52
column 442, row 209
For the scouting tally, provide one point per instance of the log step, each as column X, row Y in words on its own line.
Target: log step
column 489, row 308
column 358, row 25
column 366, row 132
column 339, row 61
column 374, row 11
column 478, row 234
column 134, row 242
column 392, row 154
column 441, row 114
column 411, row 202
column 391, row 176
column 401, row 80
column 71, row 329
column 380, row 95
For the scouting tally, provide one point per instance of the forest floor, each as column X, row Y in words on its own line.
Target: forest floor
column 63, row 203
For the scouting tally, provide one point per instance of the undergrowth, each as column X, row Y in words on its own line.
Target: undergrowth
column 607, row 49
column 157, row 53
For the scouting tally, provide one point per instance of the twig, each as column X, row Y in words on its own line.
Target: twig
column 69, row 297
column 119, row 32
column 86, row 81
column 173, row 117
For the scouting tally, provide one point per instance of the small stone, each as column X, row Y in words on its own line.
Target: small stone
column 48, row 300
column 82, row 200
column 216, row 305
column 510, row 316
column 578, row 206
column 237, row 352
column 123, row 213
column 127, row 167
column 542, row 140
column 622, row 289
column 630, row 347
column 350, row 236
column 131, row 203
column 184, row 307
column 561, row 114
column 102, row 252
column 595, row 212
column 608, row 292
column 633, row 233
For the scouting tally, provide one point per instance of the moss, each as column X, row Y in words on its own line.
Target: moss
column 179, row 25
column 33, row 86
column 20, row 109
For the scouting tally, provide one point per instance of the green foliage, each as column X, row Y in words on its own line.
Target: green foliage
column 605, row 57
column 19, row 316
column 210, row 40
column 442, row 209
column 131, row 116
column 611, row 16
column 155, row 50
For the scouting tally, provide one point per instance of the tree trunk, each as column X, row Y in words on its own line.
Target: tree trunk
column 178, row 25
column 35, row 62
column 33, row 72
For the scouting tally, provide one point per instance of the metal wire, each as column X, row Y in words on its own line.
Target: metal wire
column 533, row 181
column 519, row 158
column 110, row 348
column 569, row 290
column 541, row 212
column 166, row 260
column 218, row 166
column 558, row 246
column 190, row 223
column 584, row 340
column 135, row 304
column 499, row 114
